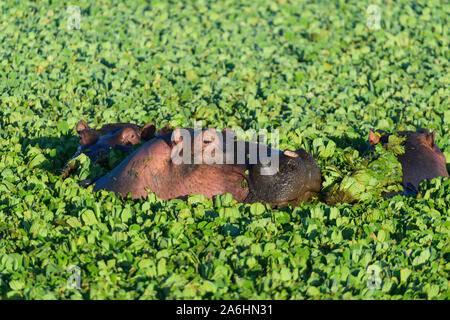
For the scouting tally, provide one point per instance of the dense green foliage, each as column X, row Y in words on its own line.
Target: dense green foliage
column 314, row 71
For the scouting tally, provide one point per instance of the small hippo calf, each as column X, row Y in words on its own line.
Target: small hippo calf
column 209, row 162
column 422, row 158
column 97, row 143
column 120, row 136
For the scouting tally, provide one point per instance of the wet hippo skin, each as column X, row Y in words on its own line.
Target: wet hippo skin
column 422, row 158
column 152, row 168
column 121, row 136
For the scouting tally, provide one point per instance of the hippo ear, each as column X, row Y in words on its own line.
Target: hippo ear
column 431, row 138
column 88, row 137
column 204, row 138
column 179, row 134
column 373, row 138
column 212, row 147
column 210, row 136
column 82, row 125
column 148, row 131
column 181, row 148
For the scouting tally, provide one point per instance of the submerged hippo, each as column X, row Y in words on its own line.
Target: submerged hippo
column 208, row 162
column 422, row 158
column 121, row 136
column 96, row 143
column 297, row 179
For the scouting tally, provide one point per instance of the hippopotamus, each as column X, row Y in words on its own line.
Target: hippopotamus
column 120, row 136
column 297, row 179
column 97, row 143
column 422, row 158
column 209, row 162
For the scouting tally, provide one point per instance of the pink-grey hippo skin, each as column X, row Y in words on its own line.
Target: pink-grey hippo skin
column 422, row 158
column 153, row 168
column 96, row 143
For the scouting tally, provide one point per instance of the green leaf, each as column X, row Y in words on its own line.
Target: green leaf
column 88, row 217
column 36, row 160
column 257, row 209
column 404, row 274
column 73, row 222
column 16, row 284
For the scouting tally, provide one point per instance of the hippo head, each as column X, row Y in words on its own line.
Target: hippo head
column 176, row 164
column 422, row 158
column 296, row 179
column 120, row 136
column 211, row 162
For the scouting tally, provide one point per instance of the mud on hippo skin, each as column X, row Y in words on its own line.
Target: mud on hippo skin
column 156, row 167
column 422, row 158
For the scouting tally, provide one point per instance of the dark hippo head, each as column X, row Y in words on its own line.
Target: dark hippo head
column 422, row 158
column 210, row 162
column 121, row 136
column 97, row 143
column 296, row 179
